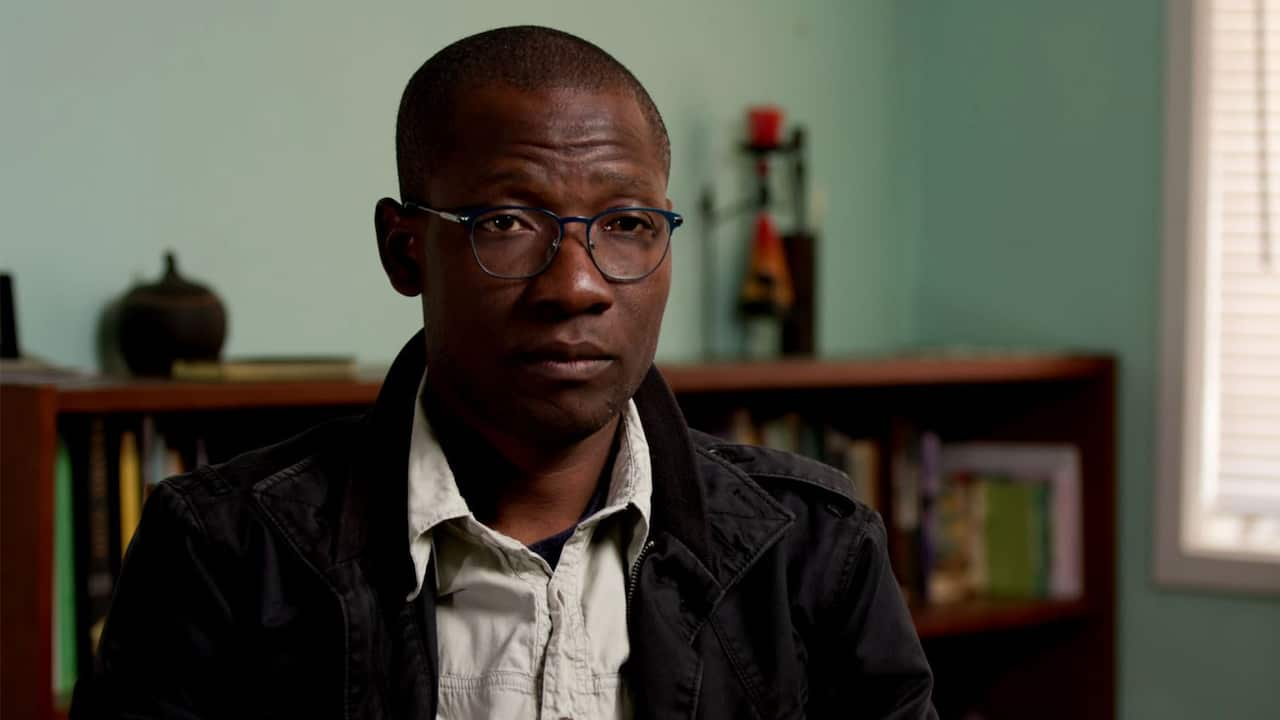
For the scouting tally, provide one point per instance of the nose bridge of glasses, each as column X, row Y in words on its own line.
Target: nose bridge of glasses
column 565, row 222
column 572, row 255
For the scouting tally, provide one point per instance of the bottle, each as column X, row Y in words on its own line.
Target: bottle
column 767, row 292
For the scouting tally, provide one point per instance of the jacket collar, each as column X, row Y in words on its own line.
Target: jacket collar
column 387, row 493
column 678, row 505
column 714, row 517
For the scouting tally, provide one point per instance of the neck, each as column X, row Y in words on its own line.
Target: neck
column 526, row 488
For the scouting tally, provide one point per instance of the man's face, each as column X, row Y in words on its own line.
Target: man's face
column 556, row 356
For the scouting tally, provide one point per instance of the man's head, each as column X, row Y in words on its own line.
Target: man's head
column 530, row 117
column 526, row 58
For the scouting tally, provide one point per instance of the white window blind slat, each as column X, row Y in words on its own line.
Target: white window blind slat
column 1243, row 259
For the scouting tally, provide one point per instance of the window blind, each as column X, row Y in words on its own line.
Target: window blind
column 1242, row 273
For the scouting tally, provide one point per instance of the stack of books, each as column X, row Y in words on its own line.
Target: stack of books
column 966, row 521
column 266, row 369
column 987, row 521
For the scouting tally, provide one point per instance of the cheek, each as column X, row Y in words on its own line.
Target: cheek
column 660, row 290
column 466, row 311
column 647, row 306
column 450, row 298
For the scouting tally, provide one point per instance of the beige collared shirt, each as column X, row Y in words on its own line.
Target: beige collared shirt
column 516, row 639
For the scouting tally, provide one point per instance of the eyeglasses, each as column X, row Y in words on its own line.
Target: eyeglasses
column 517, row 243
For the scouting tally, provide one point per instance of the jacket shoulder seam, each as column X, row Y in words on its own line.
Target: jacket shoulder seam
column 820, row 476
column 728, row 463
column 189, row 509
column 834, row 490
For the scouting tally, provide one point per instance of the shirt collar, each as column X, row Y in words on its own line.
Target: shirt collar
column 434, row 497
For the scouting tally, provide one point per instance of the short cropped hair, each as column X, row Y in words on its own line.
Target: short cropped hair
column 526, row 57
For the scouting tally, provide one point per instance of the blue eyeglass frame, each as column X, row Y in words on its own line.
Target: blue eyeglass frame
column 467, row 218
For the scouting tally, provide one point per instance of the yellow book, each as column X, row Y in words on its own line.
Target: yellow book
column 266, row 369
column 130, row 488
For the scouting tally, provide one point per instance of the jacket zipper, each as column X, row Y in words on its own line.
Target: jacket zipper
column 632, row 581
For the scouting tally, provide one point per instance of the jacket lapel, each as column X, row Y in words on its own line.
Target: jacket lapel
column 379, row 533
column 351, row 527
column 710, row 523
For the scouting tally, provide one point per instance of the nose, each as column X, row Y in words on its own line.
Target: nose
column 572, row 285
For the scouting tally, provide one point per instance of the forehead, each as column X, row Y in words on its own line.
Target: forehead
column 502, row 112
column 498, row 127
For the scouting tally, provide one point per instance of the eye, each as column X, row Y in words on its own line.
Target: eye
column 502, row 223
column 628, row 222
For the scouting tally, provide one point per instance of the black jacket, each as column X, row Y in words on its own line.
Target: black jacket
column 274, row 586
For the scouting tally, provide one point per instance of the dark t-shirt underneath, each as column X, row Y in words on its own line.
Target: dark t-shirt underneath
column 550, row 548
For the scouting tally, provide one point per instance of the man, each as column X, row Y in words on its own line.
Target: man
column 523, row 526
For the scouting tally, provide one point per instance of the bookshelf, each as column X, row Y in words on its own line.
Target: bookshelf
column 1006, row 658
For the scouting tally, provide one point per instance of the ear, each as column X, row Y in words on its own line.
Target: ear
column 400, row 247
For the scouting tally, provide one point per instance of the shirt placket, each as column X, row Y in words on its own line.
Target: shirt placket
column 573, row 679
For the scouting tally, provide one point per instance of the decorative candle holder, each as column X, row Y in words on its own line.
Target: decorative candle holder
column 784, row 323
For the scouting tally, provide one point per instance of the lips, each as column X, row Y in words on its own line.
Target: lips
column 565, row 361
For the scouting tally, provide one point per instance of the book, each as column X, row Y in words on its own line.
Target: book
column 930, row 487
column 958, row 570
column 905, row 504
column 1057, row 468
column 862, row 463
column 1010, row 538
column 65, row 640
column 859, row 458
column 809, row 440
column 202, row 456
column 743, row 429
column 99, row 578
column 175, row 465
column 130, row 488
column 782, row 432
column 152, row 449
column 251, row 369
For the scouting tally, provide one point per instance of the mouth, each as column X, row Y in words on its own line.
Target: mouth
column 565, row 362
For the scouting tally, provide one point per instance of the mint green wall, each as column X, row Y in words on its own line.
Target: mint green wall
column 1042, row 151
column 254, row 138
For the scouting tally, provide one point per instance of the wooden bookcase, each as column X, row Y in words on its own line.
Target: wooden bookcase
column 1013, row 659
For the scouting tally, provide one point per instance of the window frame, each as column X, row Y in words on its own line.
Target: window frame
column 1183, row 323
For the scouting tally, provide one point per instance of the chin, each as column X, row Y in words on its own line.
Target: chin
column 569, row 419
column 531, row 407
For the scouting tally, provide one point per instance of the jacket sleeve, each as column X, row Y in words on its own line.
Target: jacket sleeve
column 872, row 664
column 163, row 650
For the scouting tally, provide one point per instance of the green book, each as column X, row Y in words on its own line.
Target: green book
column 1041, row 536
column 1010, row 538
column 64, row 581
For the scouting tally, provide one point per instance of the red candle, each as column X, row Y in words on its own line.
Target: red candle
column 765, row 124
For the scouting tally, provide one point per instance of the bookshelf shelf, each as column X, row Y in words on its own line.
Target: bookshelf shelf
column 985, row 616
column 116, row 396
column 108, row 395
column 998, row 658
column 811, row 374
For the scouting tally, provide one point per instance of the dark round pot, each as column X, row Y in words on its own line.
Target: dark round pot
column 173, row 319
